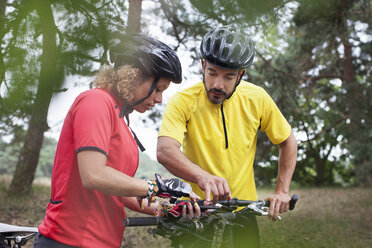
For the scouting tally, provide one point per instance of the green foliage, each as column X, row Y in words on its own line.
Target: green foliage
column 9, row 152
column 240, row 11
column 313, row 57
column 40, row 45
column 9, row 157
column 83, row 30
column 303, row 61
column 46, row 159
column 322, row 92
column 148, row 167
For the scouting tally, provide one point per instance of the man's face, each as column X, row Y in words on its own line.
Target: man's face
column 219, row 83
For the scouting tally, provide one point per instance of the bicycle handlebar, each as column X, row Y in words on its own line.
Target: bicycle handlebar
column 210, row 226
column 234, row 203
column 140, row 221
column 15, row 236
column 229, row 204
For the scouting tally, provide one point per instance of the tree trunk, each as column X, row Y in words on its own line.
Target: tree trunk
column 320, row 171
column 134, row 16
column 29, row 156
column 2, row 31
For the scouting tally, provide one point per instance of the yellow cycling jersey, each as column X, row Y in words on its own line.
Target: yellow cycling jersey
column 221, row 138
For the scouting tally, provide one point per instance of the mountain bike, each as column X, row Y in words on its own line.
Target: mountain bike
column 12, row 236
column 219, row 219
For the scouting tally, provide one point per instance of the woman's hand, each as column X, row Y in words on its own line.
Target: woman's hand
column 191, row 210
column 184, row 210
column 172, row 188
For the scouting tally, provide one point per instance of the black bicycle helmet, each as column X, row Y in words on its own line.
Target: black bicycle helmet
column 227, row 47
column 152, row 56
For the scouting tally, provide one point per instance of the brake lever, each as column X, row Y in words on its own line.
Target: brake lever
column 259, row 208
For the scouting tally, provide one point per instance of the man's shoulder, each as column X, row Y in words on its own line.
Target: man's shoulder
column 246, row 87
column 251, row 91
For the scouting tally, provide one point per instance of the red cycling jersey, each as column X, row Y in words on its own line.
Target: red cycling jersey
column 76, row 216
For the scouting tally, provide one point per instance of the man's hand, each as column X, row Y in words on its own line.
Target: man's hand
column 279, row 203
column 217, row 186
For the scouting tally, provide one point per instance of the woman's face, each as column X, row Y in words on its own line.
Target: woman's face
column 154, row 98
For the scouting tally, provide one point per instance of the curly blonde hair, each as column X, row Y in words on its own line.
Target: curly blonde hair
column 121, row 82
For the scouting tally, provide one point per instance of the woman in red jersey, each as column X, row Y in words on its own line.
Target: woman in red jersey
column 97, row 153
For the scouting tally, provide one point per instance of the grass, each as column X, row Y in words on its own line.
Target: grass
column 323, row 218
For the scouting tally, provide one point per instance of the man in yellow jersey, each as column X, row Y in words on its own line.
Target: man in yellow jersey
column 216, row 123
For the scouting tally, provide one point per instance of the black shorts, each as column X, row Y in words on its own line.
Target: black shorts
column 44, row 242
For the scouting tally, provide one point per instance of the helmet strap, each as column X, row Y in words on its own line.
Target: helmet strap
column 239, row 79
column 128, row 108
column 237, row 83
column 153, row 86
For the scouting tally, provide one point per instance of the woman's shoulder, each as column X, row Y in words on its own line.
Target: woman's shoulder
column 97, row 92
column 94, row 98
column 96, row 95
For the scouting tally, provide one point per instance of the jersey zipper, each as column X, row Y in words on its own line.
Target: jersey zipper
column 224, row 128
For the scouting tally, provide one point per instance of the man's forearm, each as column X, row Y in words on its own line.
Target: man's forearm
column 172, row 158
column 287, row 164
column 170, row 155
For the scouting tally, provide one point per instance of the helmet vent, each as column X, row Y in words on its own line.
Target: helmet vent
column 230, row 39
column 235, row 53
column 225, row 53
column 246, row 55
column 216, row 48
column 208, row 45
column 220, row 33
column 228, row 47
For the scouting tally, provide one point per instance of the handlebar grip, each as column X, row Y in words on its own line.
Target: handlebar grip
column 140, row 221
column 292, row 202
column 199, row 202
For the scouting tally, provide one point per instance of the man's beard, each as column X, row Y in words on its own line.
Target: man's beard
column 213, row 100
column 219, row 99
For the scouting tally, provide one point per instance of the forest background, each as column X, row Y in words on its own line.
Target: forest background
column 313, row 57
